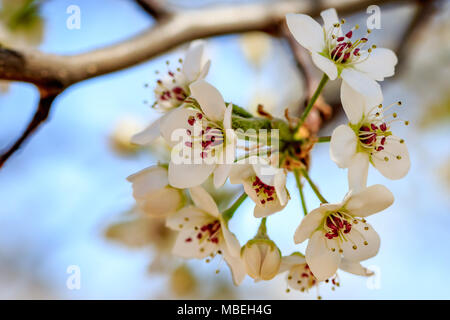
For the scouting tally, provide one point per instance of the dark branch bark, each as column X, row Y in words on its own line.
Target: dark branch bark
column 154, row 8
column 41, row 114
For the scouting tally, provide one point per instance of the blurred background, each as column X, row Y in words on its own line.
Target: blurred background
column 64, row 199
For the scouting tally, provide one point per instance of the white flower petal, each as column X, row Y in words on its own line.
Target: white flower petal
column 205, row 70
column 148, row 180
column 363, row 84
column 252, row 259
column 322, row 261
column 240, row 172
column 330, row 17
column 325, row 64
column 395, row 168
column 231, row 242
column 354, row 268
column 153, row 206
column 209, row 98
column 236, row 265
column 188, row 175
column 203, row 200
column 363, row 242
column 312, row 221
column 175, row 124
column 186, row 218
column 289, row 261
column 306, row 31
column 380, row 64
column 265, row 210
column 353, row 102
column 227, row 117
column 194, row 248
column 370, row 200
column 271, row 263
column 343, row 145
column 221, row 174
column 358, row 170
column 148, row 135
column 192, row 64
column 280, row 188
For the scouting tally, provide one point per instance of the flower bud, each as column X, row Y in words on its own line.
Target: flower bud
column 262, row 259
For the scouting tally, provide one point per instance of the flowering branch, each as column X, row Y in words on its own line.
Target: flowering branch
column 57, row 72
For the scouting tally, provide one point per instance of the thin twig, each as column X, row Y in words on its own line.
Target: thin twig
column 155, row 8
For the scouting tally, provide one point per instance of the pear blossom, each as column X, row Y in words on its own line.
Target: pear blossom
column 208, row 141
column 172, row 90
column 262, row 259
column 300, row 277
column 368, row 139
column 337, row 231
column 203, row 232
column 150, row 186
column 263, row 183
column 337, row 55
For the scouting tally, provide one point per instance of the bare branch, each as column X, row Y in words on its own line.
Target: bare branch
column 154, row 8
column 48, row 69
column 424, row 11
column 41, row 114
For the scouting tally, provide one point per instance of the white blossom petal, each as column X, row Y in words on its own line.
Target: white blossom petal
column 288, row 262
column 148, row 180
column 192, row 249
column 380, row 64
column 192, row 64
column 343, row 145
column 210, row 100
column 354, row 268
column 363, row 84
column 353, row 103
column 322, row 261
column 186, row 218
column 203, row 200
column 280, row 188
column 398, row 163
column 312, row 221
column 153, row 206
column 363, row 242
column 240, row 172
column 330, row 17
column 175, row 124
column 265, row 210
column 148, row 135
column 189, row 175
column 306, row 31
column 358, row 170
column 325, row 64
column 236, row 265
column 221, row 174
column 370, row 200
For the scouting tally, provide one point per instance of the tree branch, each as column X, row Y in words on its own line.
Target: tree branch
column 154, row 8
column 49, row 69
column 41, row 114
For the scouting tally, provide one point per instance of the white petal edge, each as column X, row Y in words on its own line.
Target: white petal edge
column 306, row 31
column 370, row 200
column 343, row 145
column 203, row 200
column 358, row 170
column 325, row 64
column 210, row 100
column 322, row 261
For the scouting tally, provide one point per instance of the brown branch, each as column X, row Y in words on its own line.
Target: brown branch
column 424, row 11
column 46, row 69
column 41, row 114
column 154, row 8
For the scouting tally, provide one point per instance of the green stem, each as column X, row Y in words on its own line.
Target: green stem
column 239, row 111
column 312, row 101
column 228, row 214
column 324, row 139
column 262, row 230
column 313, row 186
column 300, row 190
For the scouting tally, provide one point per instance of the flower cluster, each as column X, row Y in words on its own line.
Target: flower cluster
column 211, row 138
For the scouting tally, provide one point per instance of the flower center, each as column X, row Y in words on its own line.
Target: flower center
column 208, row 232
column 172, row 90
column 264, row 192
column 205, row 136
column 337, row 224
column 375, row 132
column 342, row 49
